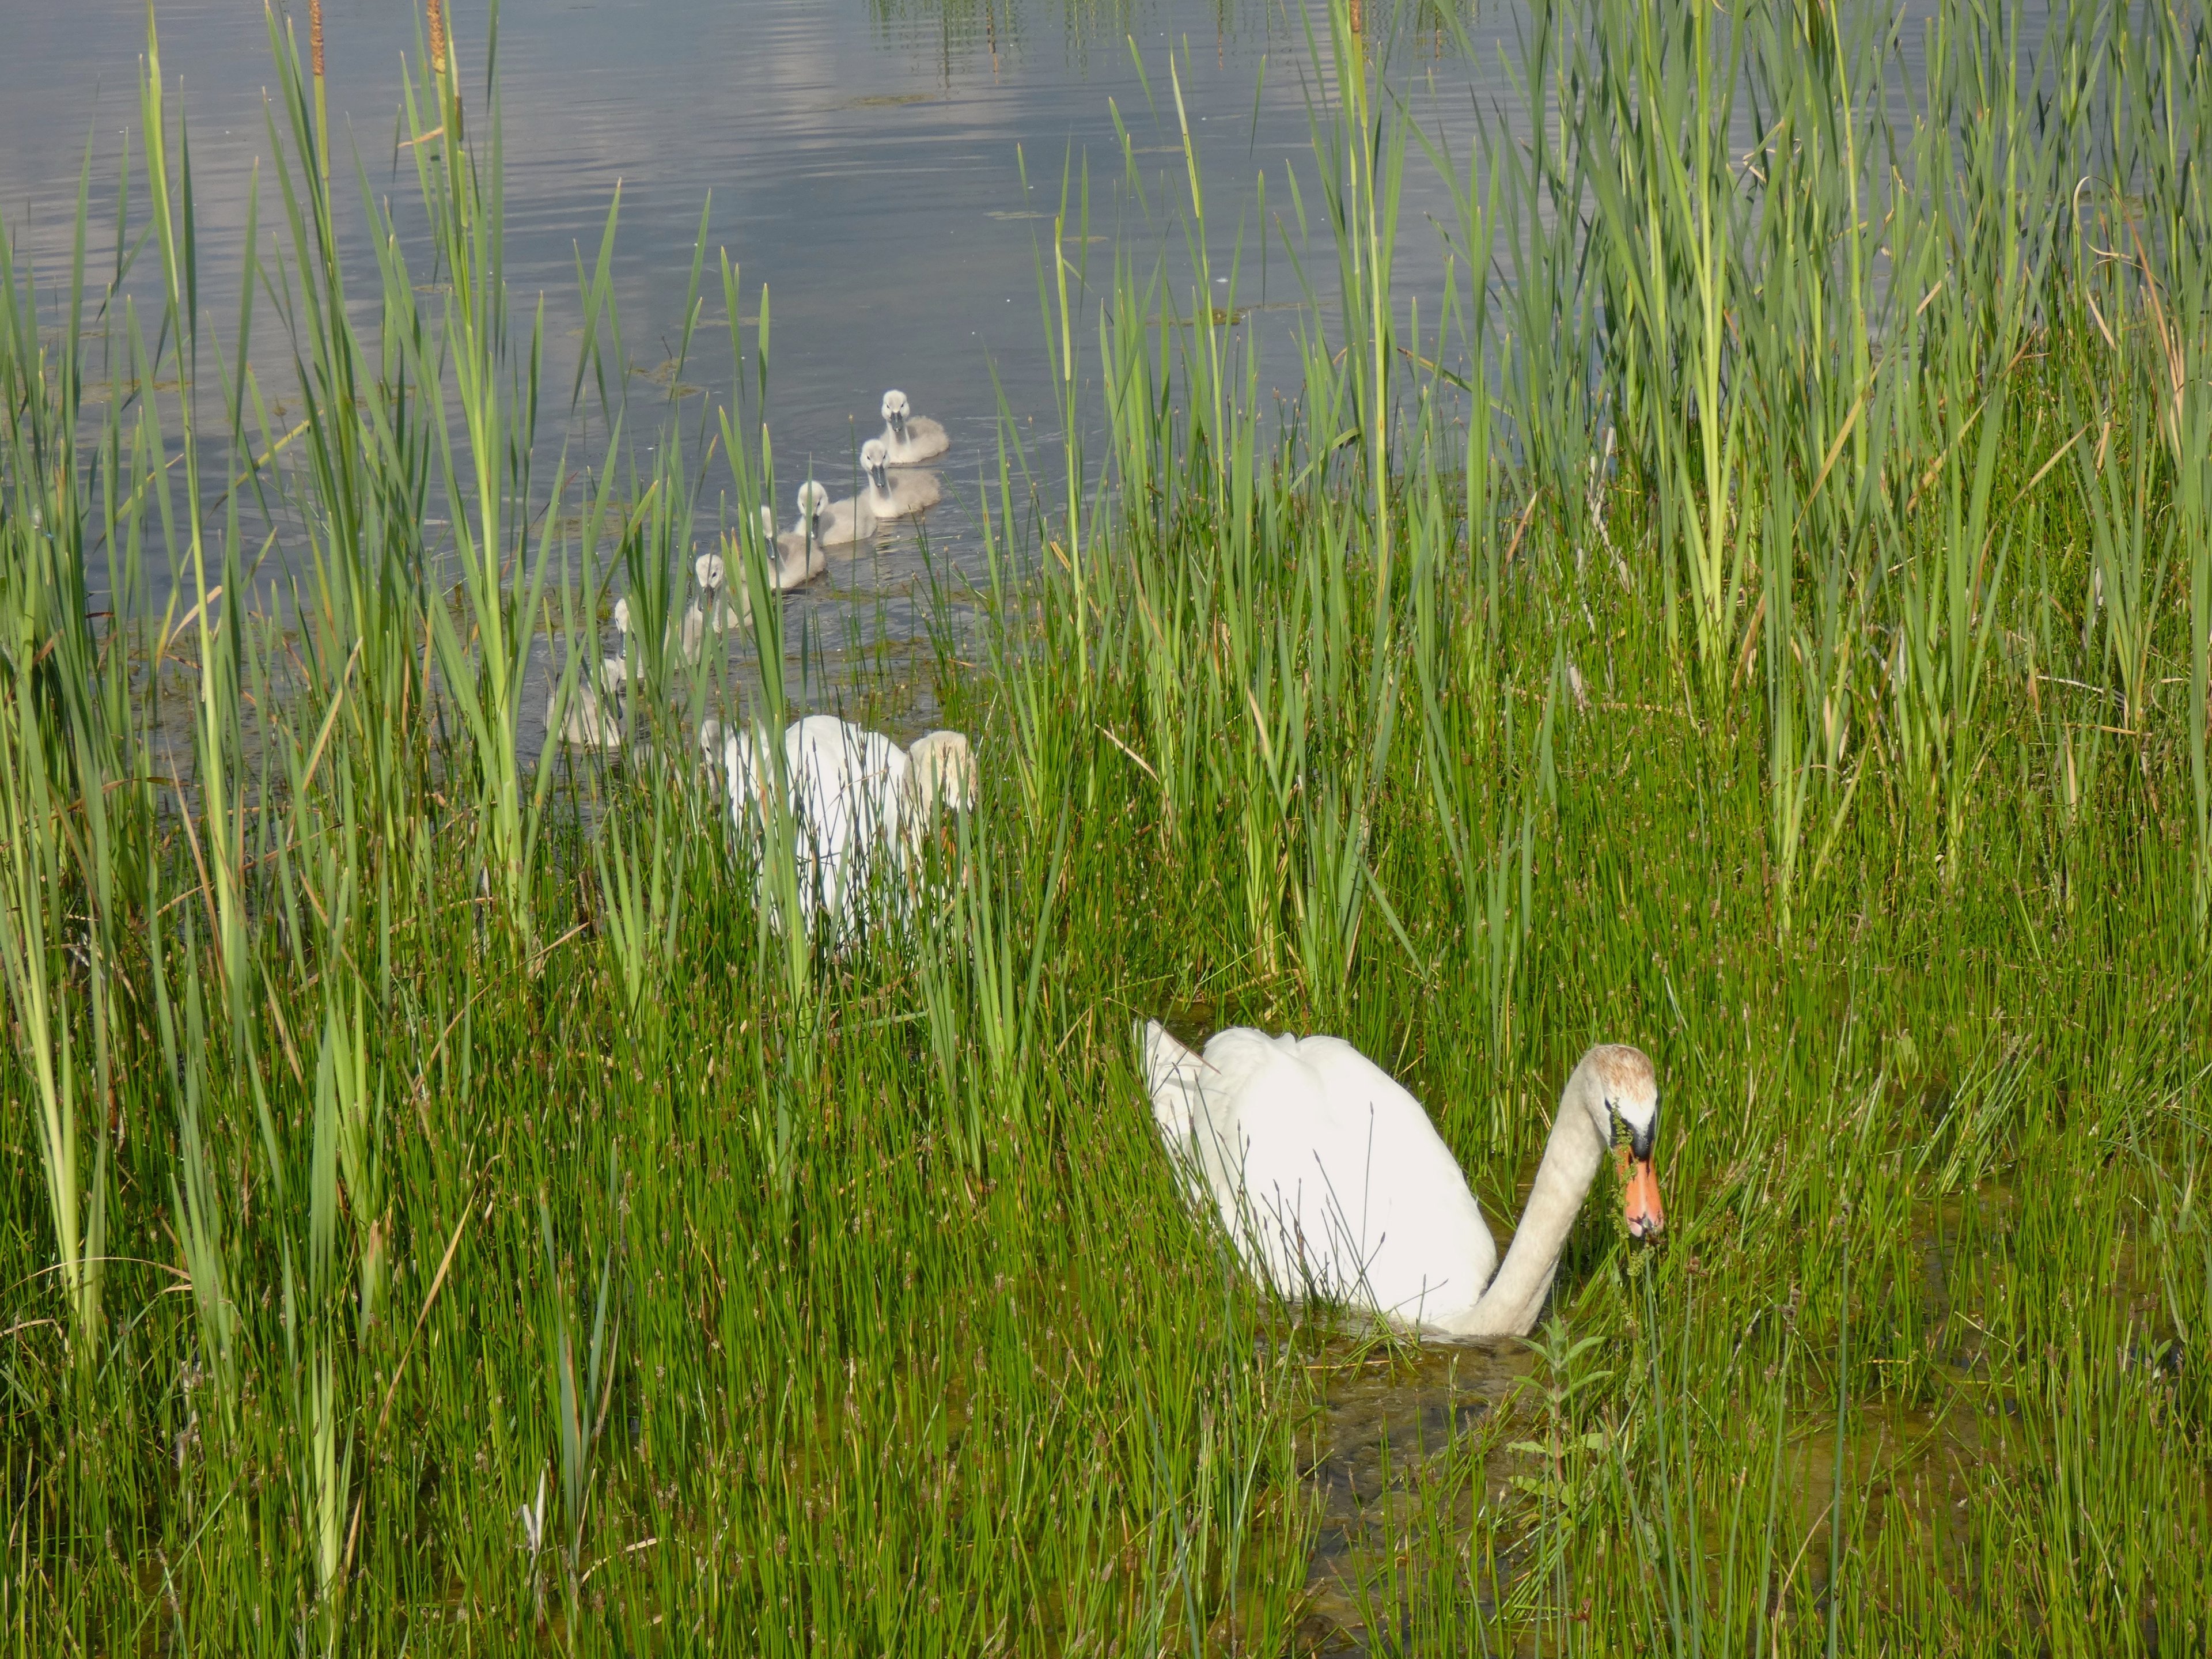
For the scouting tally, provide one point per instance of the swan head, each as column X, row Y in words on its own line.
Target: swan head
column 708, row 568
column 941, row 771
column 895, row 410
column 1621, row 1094
column 875, row 461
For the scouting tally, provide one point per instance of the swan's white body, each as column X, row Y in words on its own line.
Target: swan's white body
column 1332, row 1183
column 908, row 437
column 899, row 497
column 860, row 803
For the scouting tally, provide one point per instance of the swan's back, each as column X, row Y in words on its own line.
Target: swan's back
column 1328, row 1175
column 846, row 784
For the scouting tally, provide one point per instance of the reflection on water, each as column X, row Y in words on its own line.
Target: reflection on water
column 883, row 169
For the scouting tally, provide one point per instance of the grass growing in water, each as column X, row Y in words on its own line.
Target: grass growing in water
column 1762, row 615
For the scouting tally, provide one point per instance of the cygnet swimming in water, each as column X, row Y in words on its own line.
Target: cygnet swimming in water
column 615, row 672
column 908, row 437
column 836, row 524
column 796, row 556
column 685, row 635
column 790, row 559
column 588, row 726
column 899, row 497
column 723, row 612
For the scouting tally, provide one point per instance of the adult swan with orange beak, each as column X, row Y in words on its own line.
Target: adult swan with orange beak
column 1332, row 1183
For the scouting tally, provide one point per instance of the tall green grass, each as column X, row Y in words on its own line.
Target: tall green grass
column 1759, row 610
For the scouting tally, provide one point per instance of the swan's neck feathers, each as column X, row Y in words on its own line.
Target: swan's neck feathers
column 1513, row 1298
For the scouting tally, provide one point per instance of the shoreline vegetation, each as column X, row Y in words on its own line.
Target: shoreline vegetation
column 1758, row 611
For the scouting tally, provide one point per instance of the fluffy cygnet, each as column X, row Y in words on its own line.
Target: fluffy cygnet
column 895, row 497
column 588, row 726
column 908, row 437
column 836, row 524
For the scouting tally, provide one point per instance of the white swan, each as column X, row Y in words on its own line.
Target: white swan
column 833, row 524
column 908, row 437
column 1332, row 1181
column 588, row 726
column 895, row 498
column 859, row 805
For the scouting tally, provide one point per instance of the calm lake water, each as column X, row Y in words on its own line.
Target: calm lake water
column 865, row 160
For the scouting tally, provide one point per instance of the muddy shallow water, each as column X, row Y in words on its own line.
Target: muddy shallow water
column 1391, row 1419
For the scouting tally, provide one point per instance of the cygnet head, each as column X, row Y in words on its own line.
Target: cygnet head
column 875, row 461
column 708, row 568
column 813, row 502
column 1621, row 1094
column 895, row 410
column 941, row 771
column 768, row 524
column 622, row 615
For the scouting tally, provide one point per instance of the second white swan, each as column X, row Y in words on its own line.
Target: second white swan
column 861, row 806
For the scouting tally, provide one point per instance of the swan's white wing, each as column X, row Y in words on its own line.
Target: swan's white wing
column 1332, row 1179
column 846, row 786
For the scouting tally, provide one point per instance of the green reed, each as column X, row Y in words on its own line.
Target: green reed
column 1759, row 612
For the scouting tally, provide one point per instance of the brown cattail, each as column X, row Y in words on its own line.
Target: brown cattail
column 322, row 116
column 449, row 113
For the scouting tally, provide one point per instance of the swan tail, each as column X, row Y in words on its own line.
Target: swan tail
column 1171, row 1073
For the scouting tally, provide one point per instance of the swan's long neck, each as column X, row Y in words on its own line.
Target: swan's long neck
column 1509, row 1304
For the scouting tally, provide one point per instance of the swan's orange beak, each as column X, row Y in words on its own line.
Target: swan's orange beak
column 1639, row 1186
